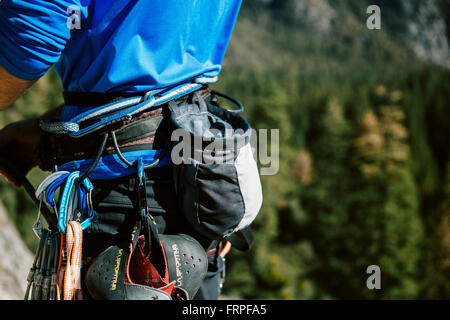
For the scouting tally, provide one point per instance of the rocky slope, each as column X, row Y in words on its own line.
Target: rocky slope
column 15, row 260
column 427, row 31
column 422, row 26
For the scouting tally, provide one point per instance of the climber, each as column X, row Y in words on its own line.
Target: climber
column 127, row 69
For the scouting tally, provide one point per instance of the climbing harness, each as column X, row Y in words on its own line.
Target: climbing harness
column 75, row 208
column 127, row 135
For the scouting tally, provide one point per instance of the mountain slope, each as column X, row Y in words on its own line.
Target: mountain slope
column 15, row 260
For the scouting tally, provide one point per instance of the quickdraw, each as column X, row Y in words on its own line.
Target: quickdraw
column 75, row 201
column 42, row 278
column 76, row 209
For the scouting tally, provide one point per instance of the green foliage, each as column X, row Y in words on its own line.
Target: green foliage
column 363, row 126
column 44, row 95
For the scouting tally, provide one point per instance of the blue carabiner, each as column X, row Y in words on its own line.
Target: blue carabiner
column 85, row 187
column 87, row 204
column 51, row 189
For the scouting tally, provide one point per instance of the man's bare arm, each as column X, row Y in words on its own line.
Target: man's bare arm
column 11, row 88
column 19, row 140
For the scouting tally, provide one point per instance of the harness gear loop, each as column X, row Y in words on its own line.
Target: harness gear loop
column 128, row 163
column 97, row 158
column 230, row 98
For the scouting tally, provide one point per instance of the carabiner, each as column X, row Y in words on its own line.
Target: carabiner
column 142, row 187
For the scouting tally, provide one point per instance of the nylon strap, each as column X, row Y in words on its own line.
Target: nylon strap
column 72, row 278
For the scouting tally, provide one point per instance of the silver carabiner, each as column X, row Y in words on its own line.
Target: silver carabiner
column 37, row 226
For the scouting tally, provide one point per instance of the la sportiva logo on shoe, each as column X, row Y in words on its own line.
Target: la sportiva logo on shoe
column 116, row 271
column 176, row 254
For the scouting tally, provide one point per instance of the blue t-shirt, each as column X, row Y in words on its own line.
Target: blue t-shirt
column 115, row 45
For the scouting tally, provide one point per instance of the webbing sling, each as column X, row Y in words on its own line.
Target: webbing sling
column 70, row 283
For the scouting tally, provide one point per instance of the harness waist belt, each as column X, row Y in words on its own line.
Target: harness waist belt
column 145, row 132
column 100, row 117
